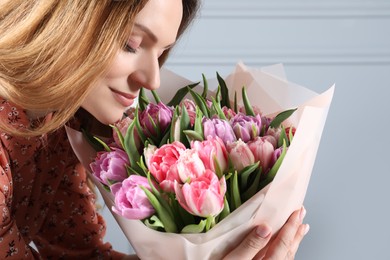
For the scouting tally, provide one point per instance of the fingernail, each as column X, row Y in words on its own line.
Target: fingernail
column 263, row 231
column 307, row 228
column 302, row 213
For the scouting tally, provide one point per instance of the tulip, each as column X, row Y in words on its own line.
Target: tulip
column 275, row 132
column 217, row 127
column 155, row 116
column 276, row 155
column 240, row 155
column 148, row 153
column 263, row 152
column 130, row 200
column 212, row 151
column 110, row 167
column 189, row 165
column 246, row 127
column 163, row 165
column 203, row 196
column 229, row 113
column 191, row 109
column 122, row 126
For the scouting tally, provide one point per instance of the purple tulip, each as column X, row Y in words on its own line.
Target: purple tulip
column 110, row 167
column 217, row 127
column 246, row 127
column 130, row 200
column 154, row 116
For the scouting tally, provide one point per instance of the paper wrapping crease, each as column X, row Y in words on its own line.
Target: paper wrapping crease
column 271, row 92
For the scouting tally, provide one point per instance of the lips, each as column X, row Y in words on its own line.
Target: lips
column 124, row 99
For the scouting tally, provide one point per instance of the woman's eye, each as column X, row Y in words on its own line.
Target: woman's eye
column 130, row 49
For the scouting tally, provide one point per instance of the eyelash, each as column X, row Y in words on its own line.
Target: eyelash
column 128, row 48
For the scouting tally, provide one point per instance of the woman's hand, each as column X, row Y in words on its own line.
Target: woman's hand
column 258, row 243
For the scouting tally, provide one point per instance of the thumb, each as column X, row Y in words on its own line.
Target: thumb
column 252, row 244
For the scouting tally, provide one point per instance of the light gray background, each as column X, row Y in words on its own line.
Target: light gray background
column 345, row 42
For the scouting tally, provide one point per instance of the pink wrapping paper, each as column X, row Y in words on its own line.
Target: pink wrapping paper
column 271, row 92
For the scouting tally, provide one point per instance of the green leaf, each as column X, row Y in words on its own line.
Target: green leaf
column 140, row 131
column 226, row 210
column 131, row 149
column 275, row 123
column 174, row 136
column 194, row 228
column 210, row 222
column 193, row 135
column 198, row 127
column 235, row 108
column 96, row 145
column 119, row 134
column 103, row 144
column 143, row 100
column 235, row 191
column 245, row 173
column 184, row 125
column 218, row 109
column 200, row 102
column 180, row 94
column 162, row 213
column 290, row 135
column 252, row 189
column 205, row 87
column 271, row 174
column 225, row 101
column 248, row 107
column 283, row 138
column 156, row 97
column 154, row 223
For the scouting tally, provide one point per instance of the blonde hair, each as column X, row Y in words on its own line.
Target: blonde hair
column 52, row 52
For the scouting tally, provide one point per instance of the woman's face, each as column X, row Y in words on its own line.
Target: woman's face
column 136, row 65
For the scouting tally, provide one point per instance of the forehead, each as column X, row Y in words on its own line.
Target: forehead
column 162, row 18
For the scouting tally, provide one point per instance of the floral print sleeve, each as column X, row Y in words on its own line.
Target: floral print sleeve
column 45, row 199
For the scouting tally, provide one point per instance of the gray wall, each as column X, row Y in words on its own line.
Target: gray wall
column 345, row 42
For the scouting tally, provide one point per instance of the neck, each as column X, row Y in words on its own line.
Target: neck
column 90, row 124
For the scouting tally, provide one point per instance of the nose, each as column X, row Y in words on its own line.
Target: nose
column 148, row 73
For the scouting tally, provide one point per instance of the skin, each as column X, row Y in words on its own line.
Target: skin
column 136, row 66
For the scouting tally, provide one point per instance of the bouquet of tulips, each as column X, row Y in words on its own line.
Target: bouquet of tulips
column 186, row 165
column 205, row 167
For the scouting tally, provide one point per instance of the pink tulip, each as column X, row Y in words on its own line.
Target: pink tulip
column 212, row 151
column 130, row 200
column 203, row 196
column 240, row 155
column 163, row 165
column 229, row 113
column 189, row 165
column 191, row 109
column 110, row 167
column 274, row 132
column 263, row 152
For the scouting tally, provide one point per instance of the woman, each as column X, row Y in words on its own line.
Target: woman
column 55, row 58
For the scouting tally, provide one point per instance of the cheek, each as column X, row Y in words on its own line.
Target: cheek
column 121, row 66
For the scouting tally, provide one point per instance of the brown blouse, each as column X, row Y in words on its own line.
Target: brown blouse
column 44, row 198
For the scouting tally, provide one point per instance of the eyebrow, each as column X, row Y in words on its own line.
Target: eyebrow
column 150, row 34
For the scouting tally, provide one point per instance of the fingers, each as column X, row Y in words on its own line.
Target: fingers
column 290, row 236
column 252, row 244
